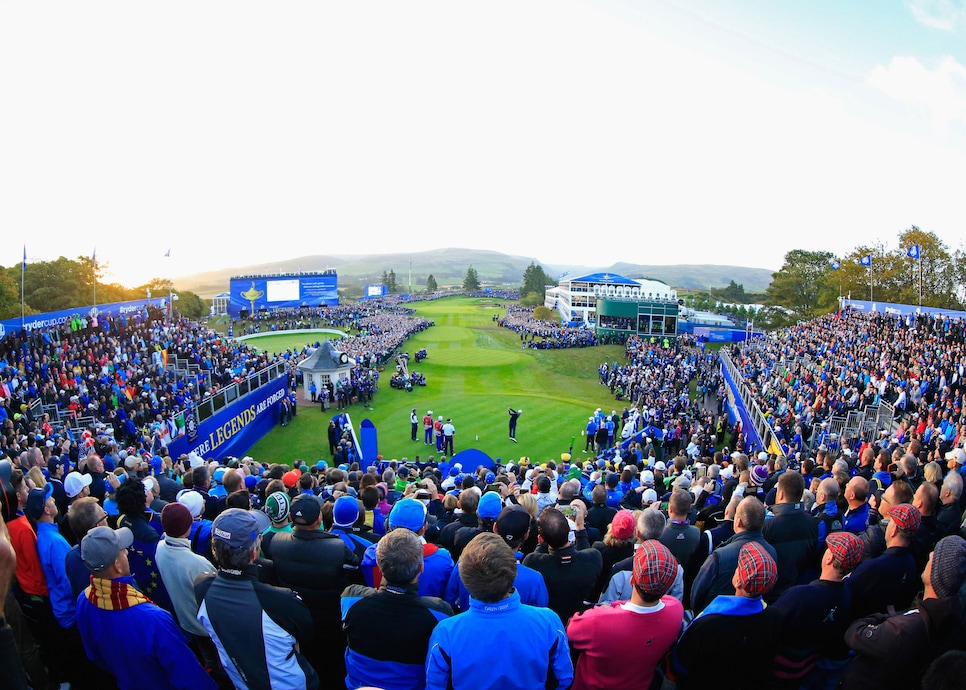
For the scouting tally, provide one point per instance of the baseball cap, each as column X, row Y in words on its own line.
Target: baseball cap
column 622, row 526
column 649, row 496
column 957, row 454
column 659, row 465
column 763, row 456
column 58, row 461
column 345, row 512
column 100, row 546
column 75, row 482
column 647, row 478
column 513, row 523
column 906, row 517
column 235, row 527
column 305, row 510
column 277, row 506
column 490, row 506
column 757, row 570
column 291, row 478
column 655, row 568
column 408, row 513
column 193, row 501
column 36, row 500
column 846, row 548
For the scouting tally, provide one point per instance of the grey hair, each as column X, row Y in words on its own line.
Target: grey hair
column 650, row 524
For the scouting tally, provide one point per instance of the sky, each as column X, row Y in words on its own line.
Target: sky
column 583, row 133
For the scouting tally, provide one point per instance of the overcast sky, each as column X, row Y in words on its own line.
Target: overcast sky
column 661, row 131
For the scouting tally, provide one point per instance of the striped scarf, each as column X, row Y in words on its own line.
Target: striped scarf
column 113, row 595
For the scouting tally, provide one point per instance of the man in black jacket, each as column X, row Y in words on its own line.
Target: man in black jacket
column 315, row 564
column 569, row 567
column 257, row 629
column 793, row 533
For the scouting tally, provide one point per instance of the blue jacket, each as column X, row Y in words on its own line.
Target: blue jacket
column 461, row 648
column 155, row 656
column 437, row 566
column 52, row 549
column 528, row 584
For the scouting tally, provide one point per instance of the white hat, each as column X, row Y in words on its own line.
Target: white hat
column 957, row 454
column 762, row 456
column 647, row 478
column 75, row 482
column 660, row 466
column 649, row 496
column 193, row 501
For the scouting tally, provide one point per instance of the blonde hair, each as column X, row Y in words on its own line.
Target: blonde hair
column 36, row 477
column 932, row 472
column 528, row 502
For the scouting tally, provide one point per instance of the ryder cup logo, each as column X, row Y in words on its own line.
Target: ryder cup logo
column 3, row 332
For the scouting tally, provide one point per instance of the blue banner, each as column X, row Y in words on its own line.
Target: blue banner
column 236, row 428
column 131, row 310
column 254, row 293
column 737, row 410
column 894, row 309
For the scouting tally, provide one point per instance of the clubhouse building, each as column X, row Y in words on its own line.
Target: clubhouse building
column 614, row 304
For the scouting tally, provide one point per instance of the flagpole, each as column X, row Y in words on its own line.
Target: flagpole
column 23, row 270
column 920, row 277
column 94, row 274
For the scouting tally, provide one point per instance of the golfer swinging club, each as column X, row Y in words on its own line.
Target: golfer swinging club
column 514, row 415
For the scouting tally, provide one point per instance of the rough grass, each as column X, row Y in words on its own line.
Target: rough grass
column 474, row 371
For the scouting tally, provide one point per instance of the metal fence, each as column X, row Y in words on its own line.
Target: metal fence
column 766, row 435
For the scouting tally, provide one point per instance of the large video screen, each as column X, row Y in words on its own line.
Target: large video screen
column 250, row 294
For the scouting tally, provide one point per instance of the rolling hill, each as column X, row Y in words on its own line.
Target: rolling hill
column 448, row 267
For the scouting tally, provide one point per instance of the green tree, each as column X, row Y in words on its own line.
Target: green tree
column 471, row 283
column 803, row 285
column 190, row 305
column 546, row 314
column 535, row 282
column 936, row 268
column 431, row 285
column 391, row 285
column 9, row 296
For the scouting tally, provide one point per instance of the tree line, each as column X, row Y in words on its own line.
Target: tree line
column 70, row 283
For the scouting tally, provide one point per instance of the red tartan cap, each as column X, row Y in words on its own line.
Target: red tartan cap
column 655, row 568
column 757, row 570
column 846, row 548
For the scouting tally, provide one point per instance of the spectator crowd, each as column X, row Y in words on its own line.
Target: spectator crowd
column 657, row 557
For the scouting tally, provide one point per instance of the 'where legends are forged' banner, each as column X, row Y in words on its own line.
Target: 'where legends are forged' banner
column 235, row 429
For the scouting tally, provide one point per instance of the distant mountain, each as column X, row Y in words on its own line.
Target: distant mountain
column 448, row 267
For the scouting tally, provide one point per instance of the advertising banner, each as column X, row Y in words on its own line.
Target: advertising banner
column 236, row 428
column 131, row 310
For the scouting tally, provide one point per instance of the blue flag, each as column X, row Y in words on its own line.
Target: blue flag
column 834, row 264
column 866, row 260
column 24, row 267
column 913, row 251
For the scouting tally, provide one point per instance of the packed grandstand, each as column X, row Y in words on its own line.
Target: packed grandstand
column 830, row 555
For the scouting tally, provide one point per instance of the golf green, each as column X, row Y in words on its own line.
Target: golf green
column 474, row 370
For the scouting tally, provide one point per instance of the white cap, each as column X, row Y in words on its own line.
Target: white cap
column 649, row 496
column 957, row 454
column 762, row 456
column 193, row 501
column 75, row 482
